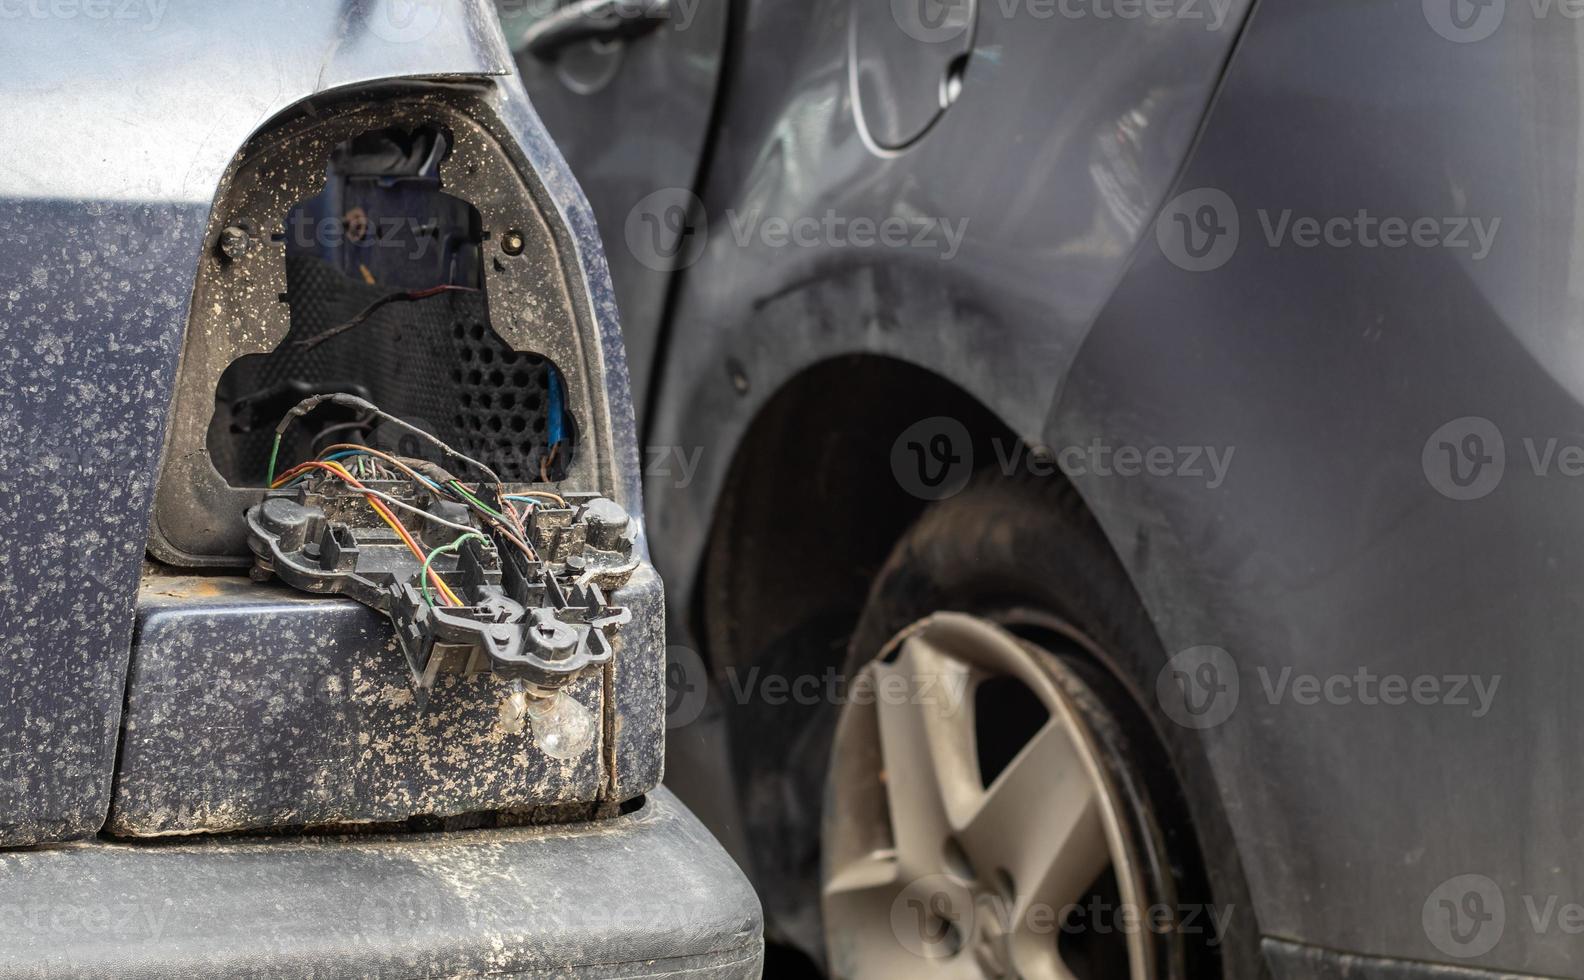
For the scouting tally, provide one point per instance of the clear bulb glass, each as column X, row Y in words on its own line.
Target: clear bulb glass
column 513, row 716
column 562, row 727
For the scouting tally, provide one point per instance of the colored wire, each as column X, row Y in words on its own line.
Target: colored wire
column 389, row 518
column 454, row 489
column 343, row 427
column 392, row 460
column 481, row 505
column 407, row 296
column 530, row 494
column 431, row 518
column 384, row 512
column 274, row 455
column 442, row 550
column 508, row 525
column 364, row 405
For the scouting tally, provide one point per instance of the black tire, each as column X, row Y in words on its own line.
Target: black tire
column 1023, row 552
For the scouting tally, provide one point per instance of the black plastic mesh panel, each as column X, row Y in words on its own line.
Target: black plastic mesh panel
column 434, row 362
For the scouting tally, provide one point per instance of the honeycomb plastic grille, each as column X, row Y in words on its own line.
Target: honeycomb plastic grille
column 502, row 401
column 434, row 362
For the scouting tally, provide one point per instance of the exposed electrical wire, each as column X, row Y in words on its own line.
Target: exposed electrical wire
column 406, row 296
column 508, row 522
column 443, row 550
column 532, row 495
column 384, row 512
column 361, row 404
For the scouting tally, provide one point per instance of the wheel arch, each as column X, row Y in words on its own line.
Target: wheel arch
column 805, row 518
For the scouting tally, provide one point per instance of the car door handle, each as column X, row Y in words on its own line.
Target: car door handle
column 587, row 20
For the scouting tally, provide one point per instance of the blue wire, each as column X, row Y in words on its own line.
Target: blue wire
column 554, row 424
column 358, row 452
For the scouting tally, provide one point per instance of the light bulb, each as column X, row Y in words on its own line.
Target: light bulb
column 562, row 727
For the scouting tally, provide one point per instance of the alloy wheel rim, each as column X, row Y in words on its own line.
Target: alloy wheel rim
column 930, row 872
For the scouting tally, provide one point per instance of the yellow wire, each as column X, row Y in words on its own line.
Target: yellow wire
column 341, row 471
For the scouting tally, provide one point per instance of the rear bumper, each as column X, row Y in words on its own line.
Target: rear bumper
column 649, row 894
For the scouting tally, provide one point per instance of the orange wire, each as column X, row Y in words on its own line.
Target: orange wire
column 379, row 508
column 376, row 454
column 517, row 539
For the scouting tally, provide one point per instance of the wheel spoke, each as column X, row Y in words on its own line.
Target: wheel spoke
column 1034, row 954
column 926, row 739
column 868, row 897
column 862, row 892
column 929, row 872
column 1041, row 823
column 860, row 895
column 874, row 872
column 1077, row 854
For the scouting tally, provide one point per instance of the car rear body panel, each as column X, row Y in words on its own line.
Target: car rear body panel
column 647, row 894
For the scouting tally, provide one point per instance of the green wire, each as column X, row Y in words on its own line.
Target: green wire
column 481, row 505
column 423, row 575
column 274, row 452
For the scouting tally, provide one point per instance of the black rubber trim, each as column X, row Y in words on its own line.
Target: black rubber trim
column 1292, row 961
column 649, row 894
